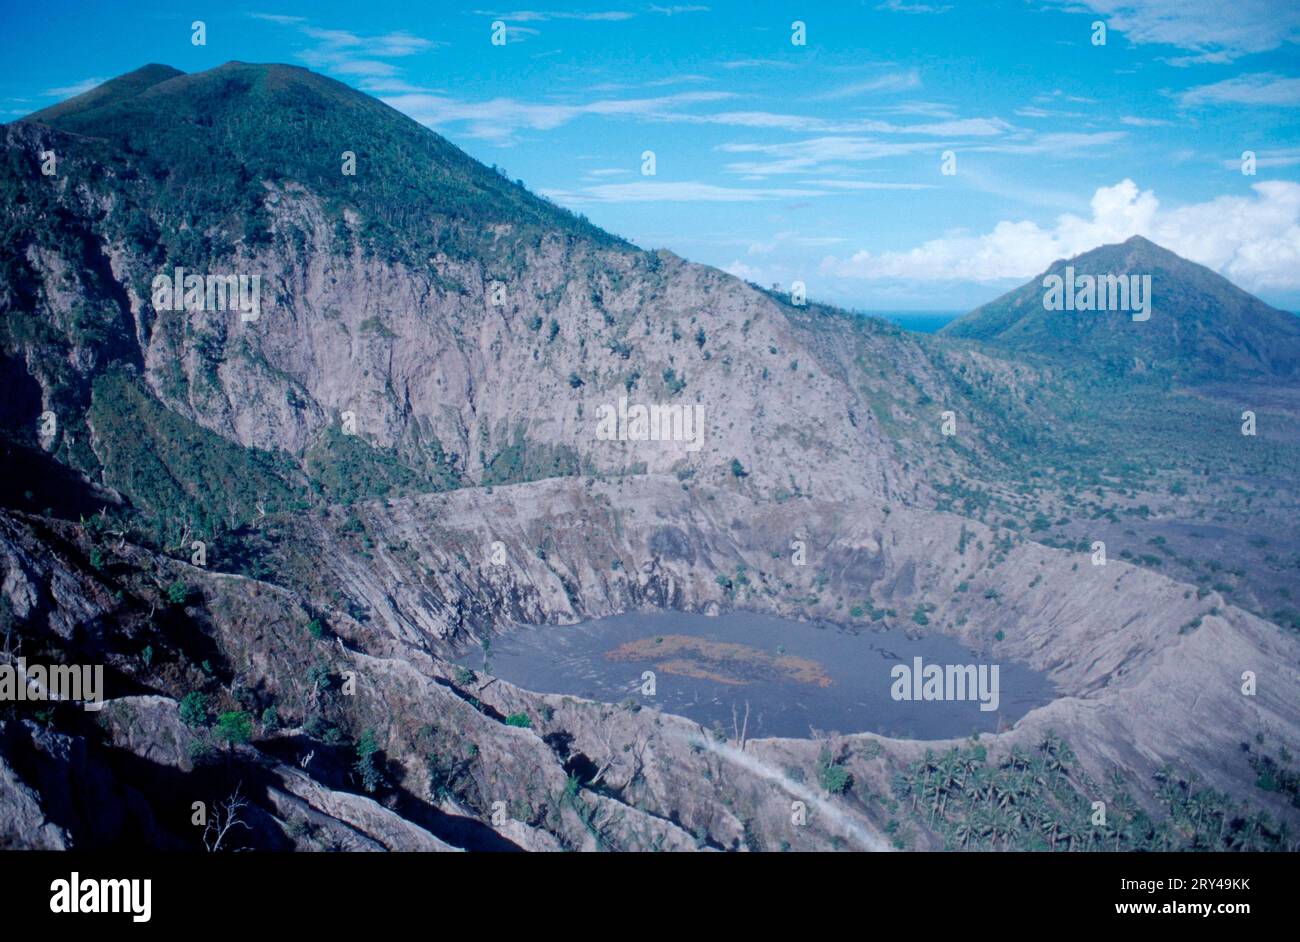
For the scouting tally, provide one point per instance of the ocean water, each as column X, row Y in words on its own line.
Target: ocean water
column 923, row 322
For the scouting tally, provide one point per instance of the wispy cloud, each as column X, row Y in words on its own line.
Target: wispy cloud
column 1057, row 95
column 656, row 191
column 901, row 6
column 344, row 52
column 653, row 83
column 389, row 45
column 73, row 90
column 866, row 185
column 1266, row 159
column 790, row 239
column 541, row 16
column 1137, row 122
column 923, row 109
column 501, row 118
column 1214, row 31
column 1033, row 111
column 395, row 86
column 896, row 82
column 834, row 153
column 957, row 127
column 278, row 18
column 758, row 64
column 817, row 154
column 1261, row 88
column 1063, row 144
column 518, row 34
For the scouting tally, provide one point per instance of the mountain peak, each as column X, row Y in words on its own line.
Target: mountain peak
column 115, row 90
column 1133, row 253
column 235, row 130
column 1198, row 323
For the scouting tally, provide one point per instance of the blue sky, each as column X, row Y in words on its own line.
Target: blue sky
column 820, row 162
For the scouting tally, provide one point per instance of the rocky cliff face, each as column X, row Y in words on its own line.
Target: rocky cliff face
column 273, row 532
column 449, row 756
column 489, row 361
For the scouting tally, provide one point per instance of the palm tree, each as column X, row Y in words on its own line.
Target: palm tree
column 1123, row 829
column 931, row 791
column 1284, row 840
column 965, row 831
column 1052, row 828
column 981, row 824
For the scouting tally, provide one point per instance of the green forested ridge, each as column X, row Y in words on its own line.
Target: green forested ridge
column 346, row 468
column 528, row 460
column 175, row 472
column 1201, row 325
column 200, row 145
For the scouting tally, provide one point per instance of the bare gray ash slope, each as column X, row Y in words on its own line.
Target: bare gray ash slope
column 378, row 292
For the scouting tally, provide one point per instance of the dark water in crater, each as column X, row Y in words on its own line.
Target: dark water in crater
column 795, row 675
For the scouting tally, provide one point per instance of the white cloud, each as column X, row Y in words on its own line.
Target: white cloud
column 346, row 66
column 1215, row 30
column 1058, row 95
column 1261, row 88
column 278, row 18
column 75, row 89
column 820, row 153
column 346, row 53
column 652, row 83
column 518, row 34
column 866, row 185
column 1062, row 144
column 389, row 45
column 954, row 128
column 1265, row 159
column 901, row 6
column 831, row 153
column 791, row 240
column 1253, row 240
column 1136, row 122
column 541, row 16
column 925, row 109
column 1033, row 111
column 758, row 64
column 896, row 82
column 392, row 86
column 501, row 118
column 655, row 191
column 747, row 272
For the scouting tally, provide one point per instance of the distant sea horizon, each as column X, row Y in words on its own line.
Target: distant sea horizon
column 929, row 322
column 922, row 322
